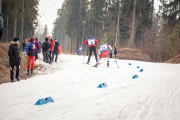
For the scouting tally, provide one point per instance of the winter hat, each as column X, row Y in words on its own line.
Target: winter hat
column 49, row 37
column 32, row 39
column 90, row 37
column 16, row 39
column 36, row 39
column 46, row 39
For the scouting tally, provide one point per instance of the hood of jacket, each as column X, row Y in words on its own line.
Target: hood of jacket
column 13, row 43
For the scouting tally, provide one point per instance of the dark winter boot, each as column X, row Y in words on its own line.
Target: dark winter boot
column 27, row 72
column 17, row 74
column 87, row 62
column 12, row 76
column 32, row 72
column 107, row 63
column 17, row 79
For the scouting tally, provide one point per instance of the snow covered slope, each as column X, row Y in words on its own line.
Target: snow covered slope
column 154, row 95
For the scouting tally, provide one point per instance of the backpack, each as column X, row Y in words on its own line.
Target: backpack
column 44, row 46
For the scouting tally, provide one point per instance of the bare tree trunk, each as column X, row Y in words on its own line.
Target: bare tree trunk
column 117, row 28
column 152, row 10
column 7, row 23
column 132, row 37
column 93, row 20
column 22, row 29
column 0, row 5
column 15, row 24
column 79, row 26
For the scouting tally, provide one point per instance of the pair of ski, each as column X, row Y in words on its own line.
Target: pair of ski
column 97, row 64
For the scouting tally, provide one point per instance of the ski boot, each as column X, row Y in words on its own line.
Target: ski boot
column 95, row 65
column 32, row 72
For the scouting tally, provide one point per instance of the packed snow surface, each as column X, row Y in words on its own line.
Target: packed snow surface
column 154, row 95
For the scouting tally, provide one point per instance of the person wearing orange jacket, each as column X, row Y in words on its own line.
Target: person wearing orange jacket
column 92, row 42
column 30, row 50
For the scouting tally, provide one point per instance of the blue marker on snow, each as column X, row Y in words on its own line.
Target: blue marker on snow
column 135, row 76
column 102, row 85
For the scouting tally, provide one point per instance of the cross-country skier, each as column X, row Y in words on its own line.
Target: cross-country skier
column 104, row 52
column 92, row 42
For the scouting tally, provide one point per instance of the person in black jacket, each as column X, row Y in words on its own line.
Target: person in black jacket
column 14, row 58
column 115, row 53
column 45, row 50
column 23, row 45
column 55, row 51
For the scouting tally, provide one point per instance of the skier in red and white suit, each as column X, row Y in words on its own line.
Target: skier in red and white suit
column 104, row 52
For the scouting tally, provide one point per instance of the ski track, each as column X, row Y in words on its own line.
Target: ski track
column 153, row 96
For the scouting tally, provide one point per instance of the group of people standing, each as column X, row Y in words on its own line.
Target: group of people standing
column 105, row 50
column 50, row 48
column 32, row 47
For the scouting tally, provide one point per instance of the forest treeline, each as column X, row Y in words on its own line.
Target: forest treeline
column 20, row 18
column 121, row 23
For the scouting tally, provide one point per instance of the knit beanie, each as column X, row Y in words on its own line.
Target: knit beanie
column 16, row 39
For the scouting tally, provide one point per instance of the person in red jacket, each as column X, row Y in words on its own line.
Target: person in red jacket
column 52, row 44
column 92, row 42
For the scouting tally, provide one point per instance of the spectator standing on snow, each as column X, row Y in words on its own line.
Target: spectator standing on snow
column 14, row 58
column 80, row 50
column 45, row 50
column 56, row 51
column 52, row 44
column 30, row 50
column 115, row 52
column 92, row 42
column 37, row 44
column 24, row 45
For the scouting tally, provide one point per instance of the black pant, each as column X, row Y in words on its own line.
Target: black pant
column 92, row 49
column 12, row 72
column 46, row 56
column 115, row 56
column 36, row 55
column 110, row 55
column 56, row 54
column 50, row 56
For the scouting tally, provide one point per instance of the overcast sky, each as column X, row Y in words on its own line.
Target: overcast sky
column 48, row 12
